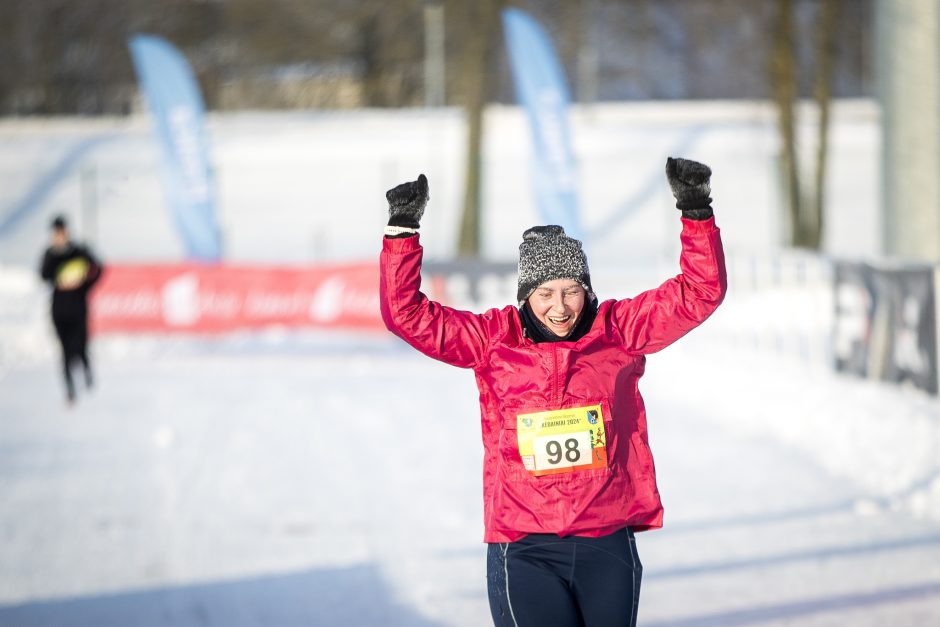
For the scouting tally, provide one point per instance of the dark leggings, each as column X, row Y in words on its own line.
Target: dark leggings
column 543, row 579
column 73, row 336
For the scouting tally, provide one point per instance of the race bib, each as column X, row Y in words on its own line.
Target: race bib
column 71, row 274
column 562, row 440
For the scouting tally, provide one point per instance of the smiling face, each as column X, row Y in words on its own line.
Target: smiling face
column 558, row 304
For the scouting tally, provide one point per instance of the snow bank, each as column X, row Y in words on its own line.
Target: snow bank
column 882, row 437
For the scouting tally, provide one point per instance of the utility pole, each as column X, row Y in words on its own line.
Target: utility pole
column 588, row 76
column 434, row 77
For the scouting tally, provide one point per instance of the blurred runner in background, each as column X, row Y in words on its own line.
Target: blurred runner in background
column 72, row 270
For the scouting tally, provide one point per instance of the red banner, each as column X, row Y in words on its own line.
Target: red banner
column 190, row 297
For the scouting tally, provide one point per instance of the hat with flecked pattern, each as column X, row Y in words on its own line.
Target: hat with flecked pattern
column 547, row 253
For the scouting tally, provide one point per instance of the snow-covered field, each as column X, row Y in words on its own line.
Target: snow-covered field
column 302, row 478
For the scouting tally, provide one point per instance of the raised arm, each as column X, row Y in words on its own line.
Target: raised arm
column 659, row 317
column 456, row 337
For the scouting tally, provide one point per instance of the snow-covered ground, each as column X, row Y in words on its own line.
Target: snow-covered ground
column 311, row 479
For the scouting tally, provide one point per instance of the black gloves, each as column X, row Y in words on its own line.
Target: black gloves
column 406, row 203
column 689, row 181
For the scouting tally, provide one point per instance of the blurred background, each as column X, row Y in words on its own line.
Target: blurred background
column 250, row 453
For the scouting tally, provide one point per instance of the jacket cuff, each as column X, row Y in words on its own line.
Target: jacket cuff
column 401, row 244
column 698, row 226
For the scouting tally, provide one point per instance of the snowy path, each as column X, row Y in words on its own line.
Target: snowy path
column 761, row 534
column 292, row 480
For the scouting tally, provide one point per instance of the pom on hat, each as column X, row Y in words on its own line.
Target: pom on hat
column 547, row 253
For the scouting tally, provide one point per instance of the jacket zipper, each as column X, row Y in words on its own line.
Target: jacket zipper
column 555, row 387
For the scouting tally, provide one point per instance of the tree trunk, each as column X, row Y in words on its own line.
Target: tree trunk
column 484, row 26
column 783, row 85
column 822, row 93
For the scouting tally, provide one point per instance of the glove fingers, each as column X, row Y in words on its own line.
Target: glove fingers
column 671, row 165
column 690, row 184
column 407, row 193
column 400, row 194
column 406, row 203
column 686, row 171
column 694, row 173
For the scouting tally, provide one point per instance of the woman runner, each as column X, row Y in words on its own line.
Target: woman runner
column 568, row 475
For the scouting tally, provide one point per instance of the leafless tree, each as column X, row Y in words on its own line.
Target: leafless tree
column 482, row 23
column 822, row 94
column 783, row 83
column 805, row 209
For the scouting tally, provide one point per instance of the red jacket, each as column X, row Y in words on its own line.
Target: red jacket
column 517, row 378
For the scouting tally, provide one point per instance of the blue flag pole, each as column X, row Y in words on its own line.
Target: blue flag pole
column 175, row 102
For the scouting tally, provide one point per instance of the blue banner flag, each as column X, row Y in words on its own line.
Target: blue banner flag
column 174, row 99
column 541, row 89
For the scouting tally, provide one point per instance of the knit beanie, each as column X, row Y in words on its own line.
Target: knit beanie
column 547, row 253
